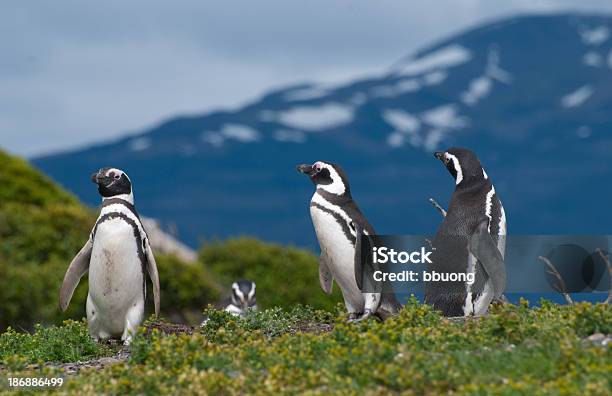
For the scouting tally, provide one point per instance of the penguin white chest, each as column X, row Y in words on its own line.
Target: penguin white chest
column 115, row 270
column 337, row 247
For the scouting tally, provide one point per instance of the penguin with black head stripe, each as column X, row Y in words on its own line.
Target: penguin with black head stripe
column 243, row 298
column 471, row 239
column 339, row 226
column 116, row 257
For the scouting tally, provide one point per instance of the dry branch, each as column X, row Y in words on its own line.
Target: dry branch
column 438, row 207
column 606, row 259
column 560, row 287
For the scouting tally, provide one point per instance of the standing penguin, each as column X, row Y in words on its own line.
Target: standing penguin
column 340, row 225
column 470, row 240
column 117, row 255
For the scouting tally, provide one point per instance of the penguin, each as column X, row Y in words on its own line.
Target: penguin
column 340, row 227
column 116, row 257
column 470, row 240
column 243, row 298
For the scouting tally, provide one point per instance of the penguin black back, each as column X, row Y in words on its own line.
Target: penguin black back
column 473, row 200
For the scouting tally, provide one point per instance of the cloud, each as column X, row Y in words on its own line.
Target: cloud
column 73, row 73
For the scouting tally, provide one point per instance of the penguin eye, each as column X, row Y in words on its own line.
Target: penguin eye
column 117, row 177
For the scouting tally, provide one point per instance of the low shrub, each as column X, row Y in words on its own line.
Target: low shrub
column 514, row 350
column 67, row 343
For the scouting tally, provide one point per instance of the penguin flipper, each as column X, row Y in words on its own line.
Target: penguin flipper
column 153, row 274
column 326, row 279
column 481, row 245
column 77, row 268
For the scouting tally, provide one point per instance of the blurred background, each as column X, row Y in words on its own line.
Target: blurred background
column 208, row 106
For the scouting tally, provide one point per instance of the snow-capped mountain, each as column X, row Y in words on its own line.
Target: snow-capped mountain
column 532, row 96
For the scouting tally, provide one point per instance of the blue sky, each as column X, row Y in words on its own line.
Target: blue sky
column 73, row 72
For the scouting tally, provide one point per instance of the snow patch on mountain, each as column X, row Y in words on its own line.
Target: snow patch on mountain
column 595, row 36
column 396, row 139
column 358, row 99
column 409, row 128
column 238, row 132
column 313, row 118
column 140, row 144
column 187, row 150
column 401, row 120
column 478, row 89
column 407, row 85
column 291, row 136
column 383, row 91
column 435, row 78
column 481, row 86
column 434, row 138
column 308, row 93
column 577, row 97
column 592, row 59
column 446, row 57
column 583, row 132
column 445, row 117
column 213, row 138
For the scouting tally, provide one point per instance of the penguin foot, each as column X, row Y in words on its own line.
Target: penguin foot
column 383, row 314
column 366, row 315
column 353, row 317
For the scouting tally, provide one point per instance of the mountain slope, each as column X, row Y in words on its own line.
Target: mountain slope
column 531, row 95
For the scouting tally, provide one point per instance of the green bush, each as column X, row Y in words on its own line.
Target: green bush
column 186, row 289
column 41, row 229
column 67, row 343
column 284, row 276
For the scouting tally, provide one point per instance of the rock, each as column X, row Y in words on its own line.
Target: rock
column 162, row 242
column 600, row 339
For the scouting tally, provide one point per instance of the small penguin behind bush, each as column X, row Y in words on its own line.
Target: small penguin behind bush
column 243, row 298
column 339, row 226
column 471, row 239
column 116, row 257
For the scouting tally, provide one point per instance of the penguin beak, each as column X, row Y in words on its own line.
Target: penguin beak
column 439, row 155
column 305, row 169
column 98, row 178
column 94, row 178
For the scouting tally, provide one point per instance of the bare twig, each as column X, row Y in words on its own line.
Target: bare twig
column 438, row 207
column 560, row 287
column 431, row 246
column 606, row 259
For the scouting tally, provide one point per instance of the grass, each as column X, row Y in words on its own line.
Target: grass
column 67, row 343
column 514, row 350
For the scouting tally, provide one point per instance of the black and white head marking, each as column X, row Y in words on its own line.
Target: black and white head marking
column 462, row 164
column 327, row 177
column 243, row 294
column 113, row 183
